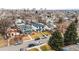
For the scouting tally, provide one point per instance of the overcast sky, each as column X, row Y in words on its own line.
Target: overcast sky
column 48, row 4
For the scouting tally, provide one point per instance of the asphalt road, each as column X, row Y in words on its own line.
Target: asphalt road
column 24, row 44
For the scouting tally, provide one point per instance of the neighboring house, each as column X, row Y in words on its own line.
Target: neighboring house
column 34, row 28
column 10, row 32
column 50, row 23
column 25, row 29
column 66, row 18
column 47, row 28
column 37, row 26
column 19, row 22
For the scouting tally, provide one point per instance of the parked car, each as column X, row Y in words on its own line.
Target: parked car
column 18, row 43
column 31, row 45
column 37, row 39
column 45, row 36
column 21, row 49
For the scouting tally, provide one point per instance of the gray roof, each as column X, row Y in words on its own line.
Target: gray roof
column 38, row 25
column 25, row 28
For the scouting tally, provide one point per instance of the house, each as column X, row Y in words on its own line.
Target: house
column 47, row 28
column 19, row 22
column 37, row 26
column 11, row 32
column 25, row 29
column 50, row 23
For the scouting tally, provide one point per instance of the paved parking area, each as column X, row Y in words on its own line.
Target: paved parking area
column 71, row 48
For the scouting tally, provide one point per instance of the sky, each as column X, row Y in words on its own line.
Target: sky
column 48, row 4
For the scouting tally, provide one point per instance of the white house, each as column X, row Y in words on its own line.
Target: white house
column 37, row 26
column 19, row 22
column 50, row 23
column 34, row 28
column 46, row 28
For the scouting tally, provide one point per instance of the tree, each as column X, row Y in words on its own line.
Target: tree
column 56, row 41
column 60, row 20
column 76, row 20
column 78, row 40
column 4, row 24
column 70, row 35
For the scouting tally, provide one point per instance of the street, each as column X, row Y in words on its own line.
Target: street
column 24, row 45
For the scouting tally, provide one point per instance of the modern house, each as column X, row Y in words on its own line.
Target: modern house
column 37, row 26
column 25, row 29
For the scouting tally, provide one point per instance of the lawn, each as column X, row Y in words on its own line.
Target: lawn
column 46, row 33
column 45, row 48
column 40, row 34
column 33, row 49
column 3, row 43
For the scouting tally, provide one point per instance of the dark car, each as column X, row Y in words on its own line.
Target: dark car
column 37, row 39
column 21, row 49
column 31, row 45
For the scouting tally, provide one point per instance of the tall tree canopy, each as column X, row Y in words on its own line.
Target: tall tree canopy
column 70, row 35
column 56, row 41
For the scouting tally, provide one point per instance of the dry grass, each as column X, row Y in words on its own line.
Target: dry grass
column 45, row 48
column 40, row 34
column 33, row 49
column 3, row 43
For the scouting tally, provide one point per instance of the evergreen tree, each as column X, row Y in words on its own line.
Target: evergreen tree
column 55, row 41
column 78, row 40
column 76, row 20
column 70, row 35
